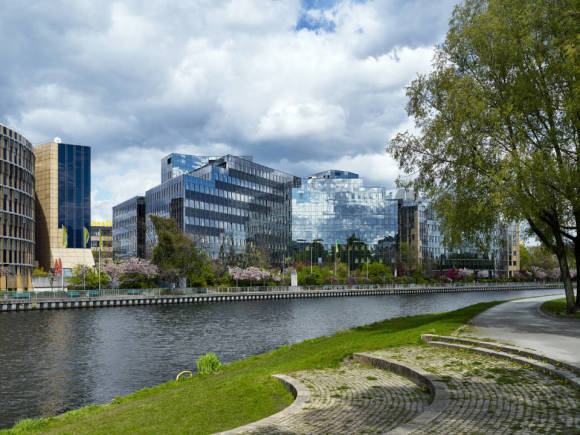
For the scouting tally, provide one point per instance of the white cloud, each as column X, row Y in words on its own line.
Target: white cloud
column 138, row 80
column 290, row 119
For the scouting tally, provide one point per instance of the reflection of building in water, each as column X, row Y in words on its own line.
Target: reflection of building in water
column 17, row 210
column 333, row 206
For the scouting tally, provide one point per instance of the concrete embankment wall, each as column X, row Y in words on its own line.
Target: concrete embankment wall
column 118, row 301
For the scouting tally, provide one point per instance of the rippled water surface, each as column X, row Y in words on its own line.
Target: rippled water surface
column 54, row 361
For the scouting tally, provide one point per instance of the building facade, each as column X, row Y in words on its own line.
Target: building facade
column 17, row 212
column 227, row 204
column 176, row 164
column 63, row 191
column 102, row 234
column 333, row 206
column 128, row 232
column 421, row 243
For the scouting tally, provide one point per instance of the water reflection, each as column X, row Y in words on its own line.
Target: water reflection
column 54, row 361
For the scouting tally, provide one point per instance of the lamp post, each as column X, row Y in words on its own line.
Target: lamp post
column 348, row 258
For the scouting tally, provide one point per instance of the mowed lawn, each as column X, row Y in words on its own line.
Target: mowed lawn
column 243, row 391
column 557, row 307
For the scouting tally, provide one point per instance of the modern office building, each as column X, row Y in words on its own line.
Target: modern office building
column 63, row 192
column 17, row 212
column 102, row 234
column 176, row 164
column 229, row 202
column 333, row 206
column 129, row 229
column 420, row 242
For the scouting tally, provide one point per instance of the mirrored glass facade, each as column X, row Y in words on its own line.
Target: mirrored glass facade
column 231, row 202
column 419, row 231
column 129, row 228
column 74, row 192
column 333, row 205
column 176, row 164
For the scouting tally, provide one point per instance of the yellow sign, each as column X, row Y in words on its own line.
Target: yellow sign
column 101, row 224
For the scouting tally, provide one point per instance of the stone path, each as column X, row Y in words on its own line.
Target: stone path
column 488, row 395
column 520, row 323
column 352, row 399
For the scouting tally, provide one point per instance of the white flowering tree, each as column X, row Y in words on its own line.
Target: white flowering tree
column 134, row 272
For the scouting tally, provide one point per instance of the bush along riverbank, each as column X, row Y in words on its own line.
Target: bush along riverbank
column 243, row 391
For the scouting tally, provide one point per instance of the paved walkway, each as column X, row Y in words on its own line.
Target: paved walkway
column 489, row 396
column 522, row 324
column 351, row 399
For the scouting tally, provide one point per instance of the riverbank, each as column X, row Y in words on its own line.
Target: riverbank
column 134, row 297
column 244, row 391
column 557, row 308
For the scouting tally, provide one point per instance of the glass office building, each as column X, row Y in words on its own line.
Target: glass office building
column 229, row 202
column 129, row 229
column 176, row 164
column 334, row 205
column 63, row 192
column 17, row 210
column 419, row 230
column 74, row 192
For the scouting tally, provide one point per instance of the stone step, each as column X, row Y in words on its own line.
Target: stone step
column 526, row 362
column 503, row 348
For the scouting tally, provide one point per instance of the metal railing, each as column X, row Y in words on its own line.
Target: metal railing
column 57, row 294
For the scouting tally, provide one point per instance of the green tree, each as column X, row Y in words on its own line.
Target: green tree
column 177, row 256
column 537, row 257
column 84, row 277
column 499, row 124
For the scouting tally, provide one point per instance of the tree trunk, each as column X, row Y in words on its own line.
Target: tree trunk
column 557, row 246
column 565, row 273
column 577, row 257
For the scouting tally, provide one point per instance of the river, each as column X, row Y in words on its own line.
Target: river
column 55, row 361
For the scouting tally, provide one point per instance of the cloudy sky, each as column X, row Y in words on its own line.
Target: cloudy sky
column 302, row 86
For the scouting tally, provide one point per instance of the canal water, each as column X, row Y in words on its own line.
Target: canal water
column 55, row 361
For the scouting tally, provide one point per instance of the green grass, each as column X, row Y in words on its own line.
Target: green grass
column 557, row 307
column 243, row 391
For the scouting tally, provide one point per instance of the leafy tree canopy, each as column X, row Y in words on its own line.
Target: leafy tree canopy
column 499, row 125
column 177, row 256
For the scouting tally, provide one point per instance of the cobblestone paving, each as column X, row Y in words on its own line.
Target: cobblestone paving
column 353, row 399
column 494, row 396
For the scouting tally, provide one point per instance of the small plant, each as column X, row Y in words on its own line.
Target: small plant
column 371, row 378
column 208, row 364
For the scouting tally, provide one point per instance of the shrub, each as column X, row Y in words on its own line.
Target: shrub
column 208, row 364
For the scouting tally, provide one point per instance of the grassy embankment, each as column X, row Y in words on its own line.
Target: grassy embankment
column 557, row 307
column 244, row 390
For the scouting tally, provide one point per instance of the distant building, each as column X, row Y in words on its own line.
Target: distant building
column 422, row 243
column 63, row 191
column 102, row 232
column 229, row 202
column 332, row 206
column 128, row 230
column 17, row 210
